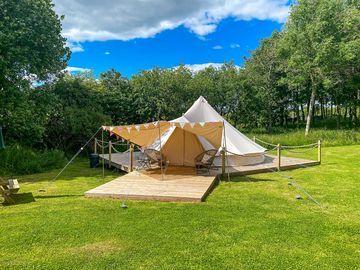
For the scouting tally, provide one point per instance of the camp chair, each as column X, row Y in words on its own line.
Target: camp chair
column 205, row 160
column 6, row 189
column 155, row 157
column 143, row 161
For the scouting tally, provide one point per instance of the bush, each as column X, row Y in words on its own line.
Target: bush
column 17, row 159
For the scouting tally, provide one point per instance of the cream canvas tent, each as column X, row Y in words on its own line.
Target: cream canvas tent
column 178, row 141
column 199, row 129
column 240, row 149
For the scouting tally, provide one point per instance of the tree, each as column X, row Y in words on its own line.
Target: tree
column 320, row 38
column 78, row 111
column 116, row 97
column 263, row 74
column 31, row 47
column 30, row 41
column 160, row 93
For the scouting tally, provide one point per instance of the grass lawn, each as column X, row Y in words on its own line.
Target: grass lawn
column 250, row 223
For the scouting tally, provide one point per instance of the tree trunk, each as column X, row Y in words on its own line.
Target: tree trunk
column 346, row 112
column 302, row 113
column 338, row 116
column 297, row 117
column 281, row 117
column 326, row 110
column 355, row 119
column 313, row 114
column 310, row 109
column 269, row 125
column 331, row 110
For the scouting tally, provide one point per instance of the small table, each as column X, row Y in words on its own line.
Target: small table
column 8, row 188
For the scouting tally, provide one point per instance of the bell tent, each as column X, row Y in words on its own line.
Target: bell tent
column 240, row 149
column 200, row 128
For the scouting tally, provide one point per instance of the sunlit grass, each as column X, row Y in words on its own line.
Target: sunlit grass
column 249, row 223
column 296, row 137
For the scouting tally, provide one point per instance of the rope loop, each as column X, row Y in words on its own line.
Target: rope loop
column 102, row 145
column 310, row 146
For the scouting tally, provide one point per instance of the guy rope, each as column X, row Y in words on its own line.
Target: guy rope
column 77, row 153
column 304, row 148
column 279, row 147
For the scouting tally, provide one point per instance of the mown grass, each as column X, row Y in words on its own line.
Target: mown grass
column 251, row 222
column 296, row 137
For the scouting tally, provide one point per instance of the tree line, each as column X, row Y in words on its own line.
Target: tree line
column 306, row 72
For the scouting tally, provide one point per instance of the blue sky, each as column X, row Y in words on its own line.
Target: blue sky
column 231, row 42
column 133, row 35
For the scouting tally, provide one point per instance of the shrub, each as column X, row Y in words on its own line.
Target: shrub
column 17, row 159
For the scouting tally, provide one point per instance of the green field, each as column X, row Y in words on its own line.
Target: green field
column 249, row 223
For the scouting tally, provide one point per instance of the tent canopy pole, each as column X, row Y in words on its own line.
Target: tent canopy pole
column 161, row 159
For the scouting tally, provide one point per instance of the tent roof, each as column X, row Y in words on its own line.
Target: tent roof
column 145, row 134
column 233, row 139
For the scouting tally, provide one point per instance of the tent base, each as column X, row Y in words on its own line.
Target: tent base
column 234, row 161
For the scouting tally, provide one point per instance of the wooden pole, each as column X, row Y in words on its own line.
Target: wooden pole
column 278, row 156
column 319, row 151
column 225, row 153
column 110, row 145
column 223, row 162
column 161, row 156
column 254, row 139
column 131, row 167
column 95, row 146
column 102, row 150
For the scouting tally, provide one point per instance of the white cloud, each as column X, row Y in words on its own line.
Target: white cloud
column 234, row 45
column 107, row 53
column 76, row 69
column 217, row 47
column 199, row 67
column 75, row 46
column 128, row 19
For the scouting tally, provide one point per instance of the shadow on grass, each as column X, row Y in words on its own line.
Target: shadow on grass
column 234, row 179
column 58, row 196
column 245, row 179
column 21, row 198
column 69, row 175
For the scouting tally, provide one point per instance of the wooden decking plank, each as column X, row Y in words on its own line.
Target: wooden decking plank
column 179, row 183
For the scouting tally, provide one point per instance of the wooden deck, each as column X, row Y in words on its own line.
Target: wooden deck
column 122, row 160
column 270, row 165
column 178, row 183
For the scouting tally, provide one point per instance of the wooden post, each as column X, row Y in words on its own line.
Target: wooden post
column 222, row 162
column 131, row 166
column 319, row 151
column 110, row 145
column 278, row 156
column 254, row 139
column 95, row 146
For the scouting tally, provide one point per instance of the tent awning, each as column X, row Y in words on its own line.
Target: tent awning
column 145, row 134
